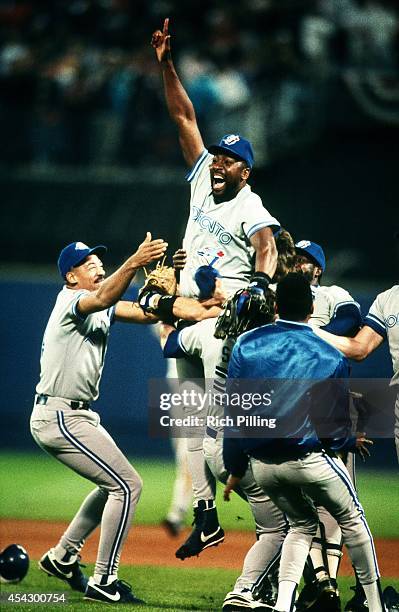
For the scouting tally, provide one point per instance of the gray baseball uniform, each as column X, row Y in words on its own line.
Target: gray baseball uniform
column 217, row 235
column 327, row 302
column 64, row 425
column 383, row 318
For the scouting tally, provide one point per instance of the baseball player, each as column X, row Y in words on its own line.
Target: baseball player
column 270, row 523
column 334, row 310
column 227, row 229
column 293, row 463
column 263, row 557
column 380, row 324
column 64, row 424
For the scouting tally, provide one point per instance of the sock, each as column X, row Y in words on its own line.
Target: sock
column 320, row 571
column 63, row 555
column 373, row 595
column 333, row 564
column 286, row 595
column 104, row 578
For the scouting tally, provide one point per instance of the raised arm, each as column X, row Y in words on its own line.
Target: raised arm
column 113, row 287
column 179, row 104
column 357, row 348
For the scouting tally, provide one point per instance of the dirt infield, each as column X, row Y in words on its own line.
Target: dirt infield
column 152, row 546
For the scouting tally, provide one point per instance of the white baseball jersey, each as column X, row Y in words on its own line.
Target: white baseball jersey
column 199, row 340
column 383, row 318
column 219, row 234
column 73, row 349
column 326, row 302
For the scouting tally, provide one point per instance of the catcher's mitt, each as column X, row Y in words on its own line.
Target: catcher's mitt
column 160, row 280
column 246, row 309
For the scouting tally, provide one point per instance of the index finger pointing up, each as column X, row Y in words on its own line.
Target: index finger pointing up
column 166, row 27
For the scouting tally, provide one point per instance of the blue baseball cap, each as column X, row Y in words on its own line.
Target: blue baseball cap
column 74, row 254
column 313, row 251
column 236, row 146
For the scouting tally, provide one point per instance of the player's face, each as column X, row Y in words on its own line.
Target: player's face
column 89, row 275
column 305, row 266
column 228, row 176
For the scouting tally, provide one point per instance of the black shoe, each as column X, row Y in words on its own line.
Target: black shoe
column 243, row 600
column 391, row 599
column 172, row 527
column 117, row 592
column 358, row 603
column 207, row 532
column 69, row 572
column 318, row 596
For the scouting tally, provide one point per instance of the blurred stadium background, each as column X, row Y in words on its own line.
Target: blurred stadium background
column 88, row 153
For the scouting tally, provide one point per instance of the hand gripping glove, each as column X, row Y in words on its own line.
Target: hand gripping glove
column 161, row 281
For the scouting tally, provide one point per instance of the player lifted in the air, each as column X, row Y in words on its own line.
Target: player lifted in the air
column 229, row 234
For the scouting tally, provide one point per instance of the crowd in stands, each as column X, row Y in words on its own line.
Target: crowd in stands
column 79, row 83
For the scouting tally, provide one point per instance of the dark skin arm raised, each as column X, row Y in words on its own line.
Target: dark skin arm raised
column 179, row 105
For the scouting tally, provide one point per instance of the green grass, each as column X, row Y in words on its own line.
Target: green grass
column 164, row 589
column 35, row 486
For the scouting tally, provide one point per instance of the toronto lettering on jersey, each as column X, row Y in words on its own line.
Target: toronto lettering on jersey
column 211, row 225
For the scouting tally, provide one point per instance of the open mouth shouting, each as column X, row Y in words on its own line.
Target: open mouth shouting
column 218, row 182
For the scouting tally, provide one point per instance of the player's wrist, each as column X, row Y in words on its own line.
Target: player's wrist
column 260, row 280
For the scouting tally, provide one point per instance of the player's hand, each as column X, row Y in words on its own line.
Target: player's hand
column 161, row 42
column 179, row 259
column 231, row 484
column 362, row 444
column 149, row 250
column 218, row 297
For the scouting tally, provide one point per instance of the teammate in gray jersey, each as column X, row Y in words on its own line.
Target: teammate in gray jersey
column 334, row 310
column 64, row 425
column 380, row 324
column 229, row 234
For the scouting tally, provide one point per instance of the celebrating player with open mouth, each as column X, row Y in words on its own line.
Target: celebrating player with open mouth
column 228, row 229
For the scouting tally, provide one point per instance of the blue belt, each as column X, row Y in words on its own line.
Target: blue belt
column 74, row 404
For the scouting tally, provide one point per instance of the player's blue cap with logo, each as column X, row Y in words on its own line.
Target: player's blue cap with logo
column 313, row 251
column 236, row 146
column 74, row 254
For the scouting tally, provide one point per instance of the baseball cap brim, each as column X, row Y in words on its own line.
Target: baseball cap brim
column 100, row 249
column 309, row 256
column 226, row 151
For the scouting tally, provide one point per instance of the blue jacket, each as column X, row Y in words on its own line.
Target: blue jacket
column 291, row 361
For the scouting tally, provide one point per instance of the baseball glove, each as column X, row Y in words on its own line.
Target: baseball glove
column 246, row 309
column 160, row 280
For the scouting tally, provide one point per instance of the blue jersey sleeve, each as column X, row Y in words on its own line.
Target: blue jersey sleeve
column 347, row 320
column 172, row 347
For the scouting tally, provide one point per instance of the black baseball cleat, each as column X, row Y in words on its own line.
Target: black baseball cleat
column 358, row 603
column 207, row 531
column 319, row 596
column 391, row 599
column 116, row 592
column 243, row 600
column 69, row 572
